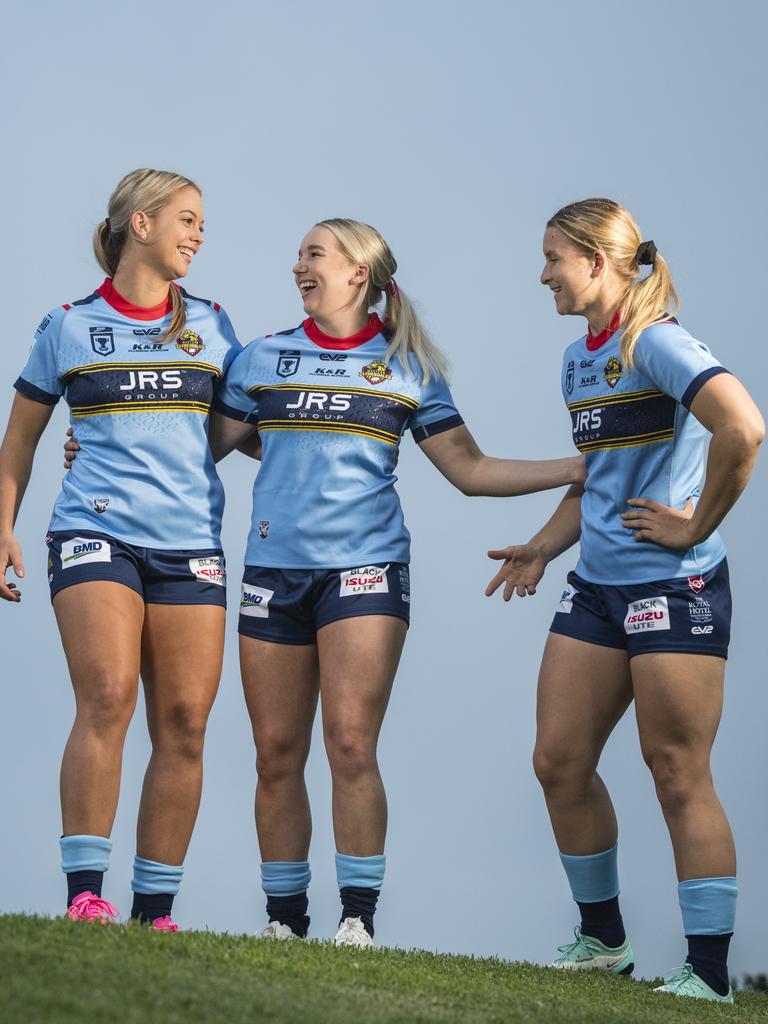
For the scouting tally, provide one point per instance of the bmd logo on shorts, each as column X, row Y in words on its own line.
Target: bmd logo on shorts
column 650, row 613
column 254, row 601
column 369, row 579
column 209, row 570
column 566, row 600
column 81, row 550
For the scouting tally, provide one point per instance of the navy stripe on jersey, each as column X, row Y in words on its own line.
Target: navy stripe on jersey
column 623, row 421
column 35, row 393
column 360, row 411
column 430, row 429
column 698, row 383
column 108, row 388
column 86, row 301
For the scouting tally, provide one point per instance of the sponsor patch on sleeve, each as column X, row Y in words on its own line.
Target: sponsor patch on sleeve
column 566, row 600
column 650, row 613
column 254, row 601
column 80, row 550
column 209, row 570
column 368, row 579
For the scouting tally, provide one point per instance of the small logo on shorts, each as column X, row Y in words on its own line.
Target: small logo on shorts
column 702, row 630
column 263, row 528
column 369, row 579
column 209, row 570
column 48, row 538
column 100, row 505
column 696, row 583
column 566, row 600
column 700, row 610
column 650, row 613
column 254, row 601
column 80, row 550
column 613, row 372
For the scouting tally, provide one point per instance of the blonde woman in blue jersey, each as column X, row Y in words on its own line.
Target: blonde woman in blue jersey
column 646, row 614
column 326, row 595
column 135, row 562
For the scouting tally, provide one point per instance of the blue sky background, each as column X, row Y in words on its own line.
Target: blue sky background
column 456, row 129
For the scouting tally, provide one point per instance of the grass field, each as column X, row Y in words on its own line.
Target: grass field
column 55, row 971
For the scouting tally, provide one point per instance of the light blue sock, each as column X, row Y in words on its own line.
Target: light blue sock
column 150, row 877
column 85, row 853
column 708, row 905
column 362, row 872
column 595, row 877
column 285, row 877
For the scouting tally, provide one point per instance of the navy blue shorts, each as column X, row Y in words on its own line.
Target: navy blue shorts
column 691, row 615
column 158, row 576
column 288, row 606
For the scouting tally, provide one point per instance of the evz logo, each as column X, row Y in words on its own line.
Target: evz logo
column 152, row 380
column 102, row 340
column 702, row 630
column 332, row 357
column 569, row 378
column 146, row 332
column 288, row 363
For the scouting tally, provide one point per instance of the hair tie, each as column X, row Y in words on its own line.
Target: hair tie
column 646, row 253
column 392, row 289
column 106, row 221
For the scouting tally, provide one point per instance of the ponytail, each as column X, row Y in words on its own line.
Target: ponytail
column 647, row 299
column 408, row 336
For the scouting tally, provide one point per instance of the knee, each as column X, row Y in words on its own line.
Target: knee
column 676, row 775
column 558, row 770
column 109, row 703
column 279, row 757
column 182, row 731
column 351, row 753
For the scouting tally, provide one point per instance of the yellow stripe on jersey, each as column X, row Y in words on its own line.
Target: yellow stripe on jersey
column 633, row 441
column 340, row 427
column 105, row 367
column 115, row 409
column 624, row 396
column 411, row 403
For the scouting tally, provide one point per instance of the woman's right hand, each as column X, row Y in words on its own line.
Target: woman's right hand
column 10, row 558
column 524, row 565
column 71, row 448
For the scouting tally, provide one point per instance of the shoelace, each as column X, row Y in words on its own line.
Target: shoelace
column 88, row 907
column 571, row 947
column 681, row 979
column 165, row 924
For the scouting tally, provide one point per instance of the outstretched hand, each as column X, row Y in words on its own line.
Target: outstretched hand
column 660, row 524
column 71, row 448
column 523, row 567
column 10, row 558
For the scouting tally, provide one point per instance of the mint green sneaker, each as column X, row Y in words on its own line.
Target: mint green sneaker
column 683, row 982
column 588, row 954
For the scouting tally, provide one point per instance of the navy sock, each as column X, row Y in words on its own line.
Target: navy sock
column 357, row 901
column 83, row 881
column 147, row 907
column 290, row 910
column 602, row 921
column 708, row 956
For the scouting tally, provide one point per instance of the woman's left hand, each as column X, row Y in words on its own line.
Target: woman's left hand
column 660, row 524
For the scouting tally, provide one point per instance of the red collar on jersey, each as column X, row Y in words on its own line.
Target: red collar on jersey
column 110, row 294
column 371, row 329
column 594, row 342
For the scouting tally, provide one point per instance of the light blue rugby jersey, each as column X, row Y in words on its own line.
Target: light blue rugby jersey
column 331, row 413
column 139, row 408
column 640, row 441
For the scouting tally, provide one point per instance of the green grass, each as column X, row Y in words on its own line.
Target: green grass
column 58, row 971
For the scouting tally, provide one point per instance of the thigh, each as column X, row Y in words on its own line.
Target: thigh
column 76, row 557
column 358, row 662
column 100, row 624
column 181, row 655
column 276, row 606
column 280, row 684
column 678, row 702
column 583, row 691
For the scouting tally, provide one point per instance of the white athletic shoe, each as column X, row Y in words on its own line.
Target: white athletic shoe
column 352, row 933
column 275, row 930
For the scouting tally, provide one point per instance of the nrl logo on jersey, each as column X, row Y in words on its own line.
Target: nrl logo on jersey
column 376, row 372
column 288, row 362
column 569, row 378
column 102, row 340
column 190, row 342
column 613, row 372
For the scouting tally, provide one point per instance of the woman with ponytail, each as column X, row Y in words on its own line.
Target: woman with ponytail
column 326, row 597
column 646, row 614
column 135, row 564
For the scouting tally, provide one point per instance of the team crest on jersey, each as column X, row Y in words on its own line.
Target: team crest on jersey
column 190, row 342
column 613, row 372
column 288, row 363
column 569, row 378
column 100, row 505
column 376, row 372
column 102, row 340
column 263, row 528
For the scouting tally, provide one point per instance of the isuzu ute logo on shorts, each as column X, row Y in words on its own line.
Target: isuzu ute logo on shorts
column 190, row 342
column 369, row 579
column 650, row 613
column 376, row 372
column 209, row 570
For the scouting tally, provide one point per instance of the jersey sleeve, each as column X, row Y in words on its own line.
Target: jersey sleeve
column 436, row 412
column 677, row 363
column 40, row 379
column 232, row 397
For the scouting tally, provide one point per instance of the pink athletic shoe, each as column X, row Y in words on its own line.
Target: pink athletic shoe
column 165, row 924
column 89, row 907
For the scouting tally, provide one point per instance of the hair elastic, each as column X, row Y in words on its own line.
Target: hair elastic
column 392, row 289
column 646, row 253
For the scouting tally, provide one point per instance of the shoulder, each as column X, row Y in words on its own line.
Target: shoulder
column 214, row 307
column 51, row 323
column 667, row 334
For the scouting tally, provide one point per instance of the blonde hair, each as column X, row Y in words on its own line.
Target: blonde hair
column 604, row 225
column 147, row 190
column 362, row 244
